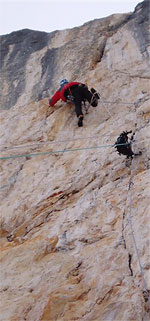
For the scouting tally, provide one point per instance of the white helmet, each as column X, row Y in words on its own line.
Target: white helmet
column 63, row 82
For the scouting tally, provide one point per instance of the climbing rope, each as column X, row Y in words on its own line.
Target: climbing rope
column 104, row 101
column 49, row 142
column 66, row 150
column 117, row 102
column 103, row 104
column 57, row 151
column 134, row 240
column 55, row 142
column 146, row 293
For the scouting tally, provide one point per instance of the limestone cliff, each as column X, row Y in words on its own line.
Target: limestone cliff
column 74, row 232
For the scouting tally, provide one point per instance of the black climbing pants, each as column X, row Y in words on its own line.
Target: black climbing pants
column 80, row 93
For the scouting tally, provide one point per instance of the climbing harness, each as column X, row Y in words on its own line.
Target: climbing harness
column 70, row 98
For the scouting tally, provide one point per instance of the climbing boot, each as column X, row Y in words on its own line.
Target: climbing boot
column 80, row 121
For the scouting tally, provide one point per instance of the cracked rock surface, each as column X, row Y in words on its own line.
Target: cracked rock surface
column 67, row 251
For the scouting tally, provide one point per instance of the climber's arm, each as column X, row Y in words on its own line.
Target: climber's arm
column 54, row 99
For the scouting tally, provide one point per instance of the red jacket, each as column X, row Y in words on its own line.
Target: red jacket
column 60, row 93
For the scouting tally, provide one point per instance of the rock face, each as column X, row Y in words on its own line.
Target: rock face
column 32, row 62
column 75, row 238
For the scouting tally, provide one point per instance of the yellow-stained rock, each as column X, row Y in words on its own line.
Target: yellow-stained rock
column 67, row 247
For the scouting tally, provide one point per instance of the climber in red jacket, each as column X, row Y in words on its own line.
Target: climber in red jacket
column 76, row 93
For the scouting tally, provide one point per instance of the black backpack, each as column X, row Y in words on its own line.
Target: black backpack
column 123, row 146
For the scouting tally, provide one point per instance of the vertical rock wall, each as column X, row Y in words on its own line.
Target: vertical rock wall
column 67, row 214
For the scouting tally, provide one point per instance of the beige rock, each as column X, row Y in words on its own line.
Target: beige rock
column 67, row 249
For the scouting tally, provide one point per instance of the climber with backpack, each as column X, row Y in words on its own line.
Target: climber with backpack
column 76, row 93
column 124, row 145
